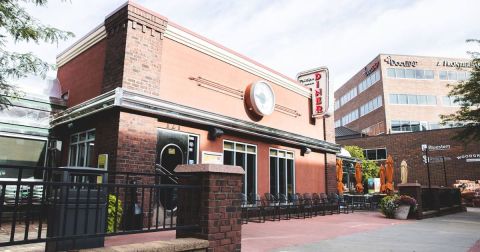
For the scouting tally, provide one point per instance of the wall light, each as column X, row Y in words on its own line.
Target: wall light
column 305, row 150
column 214, row 133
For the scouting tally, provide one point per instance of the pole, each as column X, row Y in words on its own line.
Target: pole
column 444, row 171
column 428, row 168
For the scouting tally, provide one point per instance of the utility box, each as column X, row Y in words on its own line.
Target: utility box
column 77, row 209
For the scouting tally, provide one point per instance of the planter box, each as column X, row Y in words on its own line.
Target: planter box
column 402, row 212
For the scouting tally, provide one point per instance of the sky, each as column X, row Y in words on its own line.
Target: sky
column 293, row 36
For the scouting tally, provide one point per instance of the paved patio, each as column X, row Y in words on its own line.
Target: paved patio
column 361, row 231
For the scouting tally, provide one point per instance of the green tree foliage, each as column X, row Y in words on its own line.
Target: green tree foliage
column 17, row 25
column 370, row 169
column 467, row 94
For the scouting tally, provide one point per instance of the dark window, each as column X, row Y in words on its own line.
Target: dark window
column 371, row 154
column 381, row 154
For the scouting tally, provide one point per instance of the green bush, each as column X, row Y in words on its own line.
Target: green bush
column 111, row 213
column 388, row 205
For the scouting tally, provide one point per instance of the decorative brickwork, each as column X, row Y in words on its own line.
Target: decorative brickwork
column 219, row 205
column 134, row 50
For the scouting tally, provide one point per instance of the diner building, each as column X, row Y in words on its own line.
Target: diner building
column 148, row 94
column 400, row 93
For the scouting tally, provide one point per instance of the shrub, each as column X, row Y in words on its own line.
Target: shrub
column 388, row 206
column 111, row 213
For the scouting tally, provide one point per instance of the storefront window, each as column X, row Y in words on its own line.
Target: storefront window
column 282, row 172
column 82, row 149
column 22, row 152
column 244, row 155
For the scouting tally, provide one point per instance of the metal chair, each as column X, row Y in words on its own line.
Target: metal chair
column 270, row 206
column 296, row 205
column 318, row 203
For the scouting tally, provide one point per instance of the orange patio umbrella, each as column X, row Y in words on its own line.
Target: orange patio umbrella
column 339, row 176
column 382, row 178
column 358, row 177
column 389, row 175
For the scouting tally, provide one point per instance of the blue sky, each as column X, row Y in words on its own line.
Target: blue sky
column 292, row 36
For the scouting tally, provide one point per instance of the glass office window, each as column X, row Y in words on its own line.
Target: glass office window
column 429, row 74
column 443, row 75
column 410, row 73
column 391, row 72
column 400, row 73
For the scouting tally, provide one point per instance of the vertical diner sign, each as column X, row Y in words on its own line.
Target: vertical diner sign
column 317, row 80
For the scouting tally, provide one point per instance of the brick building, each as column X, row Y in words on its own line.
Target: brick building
column 399, row 93
column 151, row 95
column 462, row 161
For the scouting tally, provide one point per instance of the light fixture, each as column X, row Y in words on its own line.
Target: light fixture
column 214, row 133
column 305, row 150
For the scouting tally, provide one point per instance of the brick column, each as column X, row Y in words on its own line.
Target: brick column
column 330, row 173
column 218, row 203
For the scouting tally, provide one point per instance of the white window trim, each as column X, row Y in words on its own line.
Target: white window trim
column 277, row 168
column 77, row 143
column 246, row 152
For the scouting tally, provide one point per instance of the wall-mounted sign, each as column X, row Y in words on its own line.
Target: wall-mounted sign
column 212, row 157
column 317, row 80
column 470, row 157
column 456, row 64
column 435, row 147
column 102, row 162
column 438, row 159
column 368, row 70
column 260, row 98
column 405, row 63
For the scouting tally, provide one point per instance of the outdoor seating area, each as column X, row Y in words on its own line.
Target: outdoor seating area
column 276, row 207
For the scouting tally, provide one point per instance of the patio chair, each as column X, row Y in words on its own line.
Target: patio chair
column 255, row 206
column 296, row 205
column 283, row 206
column 359, row 202
column 334, row 200
column 374, row 201
column 349, row 201
column 328, row 206
column 308, row 205
column 318, row 203
column 248, row 207
column 270, row 206
column 343, row 204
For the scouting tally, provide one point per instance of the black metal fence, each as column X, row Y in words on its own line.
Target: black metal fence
column 61, row 204
column 438, row 198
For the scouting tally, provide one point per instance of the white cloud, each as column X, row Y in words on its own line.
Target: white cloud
column 291, row 36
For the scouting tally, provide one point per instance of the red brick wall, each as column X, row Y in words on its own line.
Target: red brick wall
column 83, row 75
column 408, row 146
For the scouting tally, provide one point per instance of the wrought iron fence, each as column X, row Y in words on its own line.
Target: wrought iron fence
column 89, row 204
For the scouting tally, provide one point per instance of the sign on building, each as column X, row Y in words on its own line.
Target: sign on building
column 317, row 80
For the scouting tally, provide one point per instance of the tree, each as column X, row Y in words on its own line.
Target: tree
column 17, row 25
column 467, row 94
column 370, row 168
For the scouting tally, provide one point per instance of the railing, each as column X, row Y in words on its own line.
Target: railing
column 51, row 209
column 438, row 198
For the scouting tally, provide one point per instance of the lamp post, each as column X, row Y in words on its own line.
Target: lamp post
column 425, row 147
column 444, row 171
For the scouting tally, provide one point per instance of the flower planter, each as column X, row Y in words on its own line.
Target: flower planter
column 401, row 212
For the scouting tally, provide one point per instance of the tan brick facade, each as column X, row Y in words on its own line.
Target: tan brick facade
column 411, row 86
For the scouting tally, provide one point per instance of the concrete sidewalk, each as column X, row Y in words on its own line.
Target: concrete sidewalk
column 457, row 232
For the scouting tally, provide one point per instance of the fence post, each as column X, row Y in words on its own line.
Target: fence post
column 216, row 205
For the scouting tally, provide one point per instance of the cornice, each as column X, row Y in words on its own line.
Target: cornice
column 82, row 45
